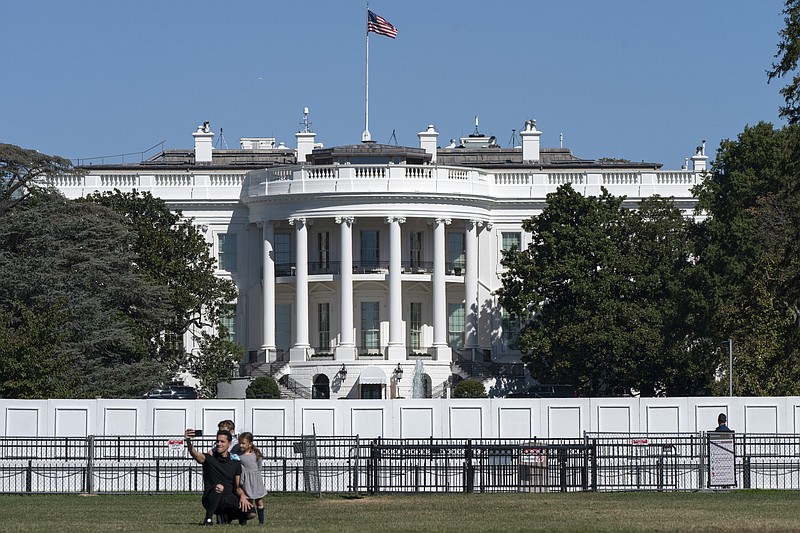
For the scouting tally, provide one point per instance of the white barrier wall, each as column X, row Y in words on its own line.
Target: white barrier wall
column 451, row 418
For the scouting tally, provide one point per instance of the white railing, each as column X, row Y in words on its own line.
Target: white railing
column 172, row 180
column 111, row 181
column 561, row 178
column 621, row 178
column 226, row 180
column 422, row 179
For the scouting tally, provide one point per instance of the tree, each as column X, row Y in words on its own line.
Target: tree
column 787, row 58
column 599, row 294
column 469, row 388
column 72, row 293
column 31, row 365
column 24, row 171
column 748, row 254
column 263, row 387
column 174, row 254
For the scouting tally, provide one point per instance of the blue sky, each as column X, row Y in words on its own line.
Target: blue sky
column 637, row 79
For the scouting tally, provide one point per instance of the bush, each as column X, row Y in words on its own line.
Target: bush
column 263, row 387
column 469, row 388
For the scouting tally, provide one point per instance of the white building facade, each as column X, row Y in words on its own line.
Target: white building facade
column 353, row 263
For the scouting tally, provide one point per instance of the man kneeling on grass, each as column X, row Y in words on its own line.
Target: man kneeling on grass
column 222, row 493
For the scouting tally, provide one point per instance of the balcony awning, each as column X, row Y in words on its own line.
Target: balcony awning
column 372, row 375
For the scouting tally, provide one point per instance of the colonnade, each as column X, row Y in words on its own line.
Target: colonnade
column 396, row 345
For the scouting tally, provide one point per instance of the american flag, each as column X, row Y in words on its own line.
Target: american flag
column 378, row 24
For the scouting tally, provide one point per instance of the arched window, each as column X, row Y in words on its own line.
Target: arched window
column 427, row 386
column 322, row 387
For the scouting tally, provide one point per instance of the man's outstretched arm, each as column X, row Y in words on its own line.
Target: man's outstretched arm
column 198, row 456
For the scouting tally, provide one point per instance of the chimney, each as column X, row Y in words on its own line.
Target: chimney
column 305, row 139
column 699, row 158
column 203, row 138
column 427, row 141
column 530, row 141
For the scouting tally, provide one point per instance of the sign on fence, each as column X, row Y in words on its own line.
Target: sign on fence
column 721, row 460
column 530, row 456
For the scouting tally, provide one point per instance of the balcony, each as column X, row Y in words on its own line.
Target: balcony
column 436, row 180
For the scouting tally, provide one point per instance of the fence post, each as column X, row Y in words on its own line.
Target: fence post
column 158, row 475
column 89, row 464
column 562, row 467
column 594, row 465
column 29, row 477
column 746, row 472
column 356, row 464
column 373, row 467
column 703, row 443
column 469, row 470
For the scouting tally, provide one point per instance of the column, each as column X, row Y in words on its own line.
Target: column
column 441, row 349
column 471, row 287
column 346, row 348
column 397, row 348
column 268, row 286
column 301, row 345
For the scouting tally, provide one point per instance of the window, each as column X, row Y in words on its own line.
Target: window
column 322, row 388
column 283, row 327
column 370, row 253
column 510, row 336
column 283, row 254
column 324, row 321
column 511, row 239
column 226, row 251
column 370, row 326
column 455, row 326
column 323, row 250
column 371, row 392
column 455, row 252
column 415, row 249
column 415, row 326
column 227, row 319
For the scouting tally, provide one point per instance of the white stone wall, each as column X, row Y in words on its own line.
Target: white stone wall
column 485, row 418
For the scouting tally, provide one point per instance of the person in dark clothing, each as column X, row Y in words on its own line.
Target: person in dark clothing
column 722, row 420
column 222, row 492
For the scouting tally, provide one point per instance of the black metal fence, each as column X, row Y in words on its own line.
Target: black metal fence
column 597, row 462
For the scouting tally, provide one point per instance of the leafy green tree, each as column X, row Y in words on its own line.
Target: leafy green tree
column 599, row 292
column 174, row 254
column 78, row 262
column 263, row 387
column 469, row 388
column 748, row 254
column 31, row 365
column 787, row 58
column 24, row 171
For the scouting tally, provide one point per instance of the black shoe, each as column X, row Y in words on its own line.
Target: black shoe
column 207, row 522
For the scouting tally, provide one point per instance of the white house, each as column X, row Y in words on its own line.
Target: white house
column 353, row 262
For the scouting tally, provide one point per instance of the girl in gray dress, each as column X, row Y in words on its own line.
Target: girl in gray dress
column 252, row 482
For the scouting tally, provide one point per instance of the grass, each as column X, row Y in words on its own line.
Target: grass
column 702, row 511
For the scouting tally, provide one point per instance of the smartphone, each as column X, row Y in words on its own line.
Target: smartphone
column 198, row 432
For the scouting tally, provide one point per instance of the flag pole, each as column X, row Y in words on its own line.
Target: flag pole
column 366, row 137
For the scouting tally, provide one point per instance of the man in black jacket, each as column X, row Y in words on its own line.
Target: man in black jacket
column 222, row 493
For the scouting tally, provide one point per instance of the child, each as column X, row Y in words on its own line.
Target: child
column 252, row 482
column 230, row 427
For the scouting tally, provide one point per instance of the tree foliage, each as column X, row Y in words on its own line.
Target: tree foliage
column 263, row 387
column 174, row 254
column 600, row 292
column 786, row 61
column 71, row 292
column 748, row 252
column 469, row 388
column 24, row 171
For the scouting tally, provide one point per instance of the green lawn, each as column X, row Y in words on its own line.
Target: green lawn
column 702, row 511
